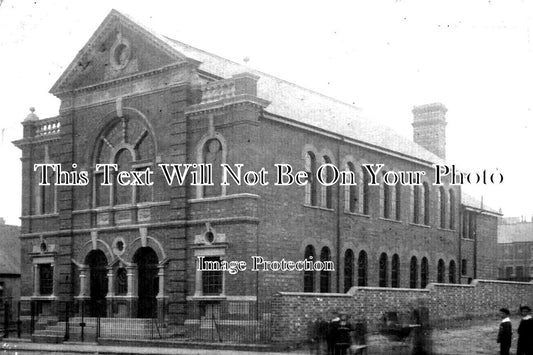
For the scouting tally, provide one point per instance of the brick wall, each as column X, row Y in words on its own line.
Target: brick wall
column 294, row 312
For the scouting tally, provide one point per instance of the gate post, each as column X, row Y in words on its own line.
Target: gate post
column 6, row 319
column 67, row 322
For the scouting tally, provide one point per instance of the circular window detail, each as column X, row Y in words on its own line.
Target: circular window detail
column 119, row 246
column 120, row 54
column 209, row 237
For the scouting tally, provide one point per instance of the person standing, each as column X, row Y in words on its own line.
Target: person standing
column 505, row 333
column 525, row 333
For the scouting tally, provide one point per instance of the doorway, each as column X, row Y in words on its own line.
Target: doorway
column 148, row 282
column 97, row 262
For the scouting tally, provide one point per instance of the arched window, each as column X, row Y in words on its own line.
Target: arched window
column 452, row 272
column 424, row 272
column 426, row 203
column 385, row 198
column 123, row 194
column 311, row 190
column 442, row 207
column 327, row 191
column 398, row 200
column 212, row 154
column 366, row 192
column 348, row 269
column 122, row 281
column 441, row 271
column 395, row 271
column 362, row 269
column 46, row 194
column 415, row 204
column 309, row 276
column 383, row 270
column 127, row 143
column 413, row 273
column 352, row 193
column 452, row 209
column 325, row 276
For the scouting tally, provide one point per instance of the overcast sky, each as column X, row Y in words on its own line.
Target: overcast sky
column 475, row 57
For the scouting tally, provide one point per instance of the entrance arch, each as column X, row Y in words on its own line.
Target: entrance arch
column 97, row 262
column 148, row 283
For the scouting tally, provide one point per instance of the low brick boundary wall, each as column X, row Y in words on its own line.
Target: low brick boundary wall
column 294, row 312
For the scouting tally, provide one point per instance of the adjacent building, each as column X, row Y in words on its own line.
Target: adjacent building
column 9, row 261
column 515, row 249
column 137, row 99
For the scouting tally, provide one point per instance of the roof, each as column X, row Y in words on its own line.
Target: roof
column 9, row 249
column 515, row 233
column 471, row 201
column 311, row 108
column 286, row 99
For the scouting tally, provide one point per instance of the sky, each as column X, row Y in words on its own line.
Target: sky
column 385, row 57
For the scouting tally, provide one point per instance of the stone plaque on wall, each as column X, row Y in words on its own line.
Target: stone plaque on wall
column 144, row 215
column 102, row 219
column 122, row 217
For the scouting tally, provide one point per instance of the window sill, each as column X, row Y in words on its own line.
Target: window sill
column 419, row 225
column 319, row 208
column 37, row 216
column 390, row 220
column 206, row 298
column 357, row 214
column 44, row 298
column 468, row 239
column 446, row 230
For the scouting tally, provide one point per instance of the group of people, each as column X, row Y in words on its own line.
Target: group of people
column 525, row 332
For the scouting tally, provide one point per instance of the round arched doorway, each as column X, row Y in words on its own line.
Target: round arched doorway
column 97, row 262
column 148, row 286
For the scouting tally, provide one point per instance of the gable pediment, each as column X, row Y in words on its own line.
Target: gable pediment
column 119, row 48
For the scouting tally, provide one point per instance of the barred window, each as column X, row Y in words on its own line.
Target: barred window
column 413, row 279
column 309, row 275
column 211, row 279
column 424, row 273
column 452, row 272
column 395, row 271
column 362, row 269
column 383, row 270
column 325, row 276
column 440, row 271
column 348, row 269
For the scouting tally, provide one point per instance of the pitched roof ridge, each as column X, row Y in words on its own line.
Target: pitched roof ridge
column 265, row 74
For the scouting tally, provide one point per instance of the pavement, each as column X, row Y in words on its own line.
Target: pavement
column 22, row 347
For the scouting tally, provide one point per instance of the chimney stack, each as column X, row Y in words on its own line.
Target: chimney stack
column 429, row 128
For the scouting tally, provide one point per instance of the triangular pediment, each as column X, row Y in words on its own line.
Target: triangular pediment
column 119, row 48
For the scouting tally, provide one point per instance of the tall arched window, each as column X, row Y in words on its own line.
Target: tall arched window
column 362, row 269
column 424, row 272
column 311, row 188
column 415, row 204
column 46, row 194
column 212, row 154
column 452, row 209
column 383, row 270
column 366, row 191
column 398, row 200
column 325, row 276
column 413, row 273
column 452, row 272
column 128, row 143
column 395, row 271
column 327, row 191
column 309, row 276
column 348, row 269
column 426, row 203
column 442, row 207
column 352, row 193
column 441, row 271
column 385, row 198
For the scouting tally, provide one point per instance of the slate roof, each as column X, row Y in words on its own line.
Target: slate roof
column 9, row 249
column 515, row 233
column 287, row 100
column 474, row 202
